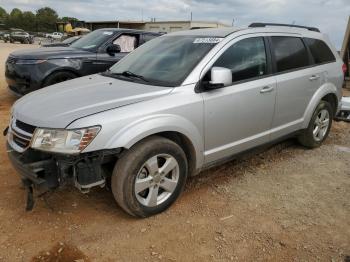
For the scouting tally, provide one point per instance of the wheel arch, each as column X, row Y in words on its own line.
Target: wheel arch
column 174, row 128
column 59, row 70
column 185, row 143
column 328, row 92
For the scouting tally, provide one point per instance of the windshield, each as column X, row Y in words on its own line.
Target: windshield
column 167, row 60
column 93, row 40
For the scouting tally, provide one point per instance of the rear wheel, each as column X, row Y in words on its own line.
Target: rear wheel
column 58, row 77
column 149, row 177
column 319, row 126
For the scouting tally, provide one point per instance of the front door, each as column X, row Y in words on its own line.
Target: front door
column 239, row 117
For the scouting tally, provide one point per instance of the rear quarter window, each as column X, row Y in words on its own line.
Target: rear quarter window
column 320, row 51
column 290, row 53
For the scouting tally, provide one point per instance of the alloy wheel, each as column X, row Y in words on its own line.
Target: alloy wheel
column 157, row 180
column 321, row 125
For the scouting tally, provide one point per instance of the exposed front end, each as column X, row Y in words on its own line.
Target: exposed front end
column 45, row 171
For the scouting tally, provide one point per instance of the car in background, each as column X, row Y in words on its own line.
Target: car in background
column 29, row 70
column 55, row 35
column 22, row 37
column 66, row 42
column 5, row 36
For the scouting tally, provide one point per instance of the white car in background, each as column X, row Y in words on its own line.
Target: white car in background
column 55, row 35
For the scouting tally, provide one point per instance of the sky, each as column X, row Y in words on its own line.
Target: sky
column 330, row 16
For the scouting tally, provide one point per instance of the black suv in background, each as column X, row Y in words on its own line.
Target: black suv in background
column 29, row 70
column 22, row 37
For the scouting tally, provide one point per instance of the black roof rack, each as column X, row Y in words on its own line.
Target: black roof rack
column 273, row 24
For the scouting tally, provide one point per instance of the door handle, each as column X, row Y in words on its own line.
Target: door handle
column 266, row 89
column 314, row 77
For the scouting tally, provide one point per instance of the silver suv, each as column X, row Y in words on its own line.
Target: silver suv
column 175, row 106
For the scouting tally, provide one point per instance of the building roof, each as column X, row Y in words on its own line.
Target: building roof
column 115, row 22
column 346, row 40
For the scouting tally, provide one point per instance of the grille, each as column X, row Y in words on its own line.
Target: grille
column 11, row 60
column 25, row 127
column 20, row 135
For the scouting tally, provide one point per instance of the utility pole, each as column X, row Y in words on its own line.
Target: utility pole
column 191, row 16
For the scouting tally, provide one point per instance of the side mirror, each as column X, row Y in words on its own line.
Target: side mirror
column 221, row 76
column 113, row 49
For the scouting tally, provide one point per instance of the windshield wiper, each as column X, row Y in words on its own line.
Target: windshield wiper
column 129, row 74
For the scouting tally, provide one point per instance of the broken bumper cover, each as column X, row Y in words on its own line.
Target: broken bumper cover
column 41, row 174
column 48, row 171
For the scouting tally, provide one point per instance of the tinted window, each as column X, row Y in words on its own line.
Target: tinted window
column 290, row 53
column 320, row 51
column 147, row 37
column 246, row 59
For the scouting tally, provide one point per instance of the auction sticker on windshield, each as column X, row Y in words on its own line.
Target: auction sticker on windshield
column 207, row 40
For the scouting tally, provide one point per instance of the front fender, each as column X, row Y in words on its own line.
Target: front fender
column 327, row 88
column 150, row 125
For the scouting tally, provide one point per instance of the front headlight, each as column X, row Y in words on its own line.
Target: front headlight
column 30, row 61
column 64, row 141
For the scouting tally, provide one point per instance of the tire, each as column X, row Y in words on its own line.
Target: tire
column 135, row 168
column 307, row 137
column 25, row 41
column 58, row 77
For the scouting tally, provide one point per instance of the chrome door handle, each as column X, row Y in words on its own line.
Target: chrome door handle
column 266, row 89
column 314, row 77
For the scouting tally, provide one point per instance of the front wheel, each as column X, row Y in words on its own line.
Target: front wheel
column 319, row 126
column 149, row 177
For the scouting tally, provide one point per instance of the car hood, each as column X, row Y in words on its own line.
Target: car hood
column 59, row 105
column 49, row 53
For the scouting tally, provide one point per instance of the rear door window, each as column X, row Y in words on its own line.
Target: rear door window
column 146, row 38
column 290, row 53
column 127, row 43
column 319, row 51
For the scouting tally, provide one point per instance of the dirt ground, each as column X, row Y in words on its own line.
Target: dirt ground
column 283, row 204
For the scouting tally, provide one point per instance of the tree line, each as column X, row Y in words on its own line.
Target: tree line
column 43, row 20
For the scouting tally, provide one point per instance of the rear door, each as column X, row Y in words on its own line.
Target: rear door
column 239, row 117
column 296, row 83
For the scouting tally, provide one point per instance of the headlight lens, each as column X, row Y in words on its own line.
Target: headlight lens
column 30, row 61
column 64, row 141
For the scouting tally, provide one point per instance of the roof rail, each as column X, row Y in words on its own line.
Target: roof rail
column 289, row 25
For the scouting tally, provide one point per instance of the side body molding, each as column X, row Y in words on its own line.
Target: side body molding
column 144, row 127
column 327, row 88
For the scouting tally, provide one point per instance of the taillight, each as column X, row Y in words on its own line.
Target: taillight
column 344, row 68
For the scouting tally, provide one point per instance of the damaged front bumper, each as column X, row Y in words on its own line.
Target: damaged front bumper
column 44, row 172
